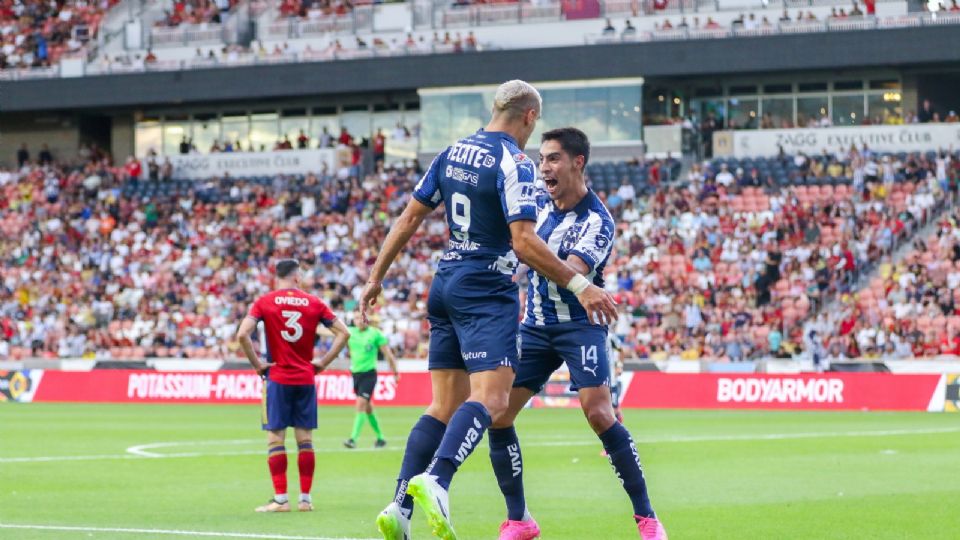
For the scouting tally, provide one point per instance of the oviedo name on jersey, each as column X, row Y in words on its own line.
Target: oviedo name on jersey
column 291, row 301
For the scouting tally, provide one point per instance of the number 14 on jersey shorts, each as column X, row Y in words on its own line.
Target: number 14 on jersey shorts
column 544, row 348
column 473, row 314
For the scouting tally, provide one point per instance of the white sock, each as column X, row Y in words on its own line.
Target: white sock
column 526, row 515
column 281, row 498
column 305, row 497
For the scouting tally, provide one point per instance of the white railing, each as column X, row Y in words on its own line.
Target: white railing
column 360, row 19
column 186, row 34
column 805, row 27
column 29, row 73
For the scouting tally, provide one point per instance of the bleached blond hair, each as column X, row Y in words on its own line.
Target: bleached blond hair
column 514, row 98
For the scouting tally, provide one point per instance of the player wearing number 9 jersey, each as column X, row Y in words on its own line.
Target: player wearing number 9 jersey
column 486, row 185
column 290, row 319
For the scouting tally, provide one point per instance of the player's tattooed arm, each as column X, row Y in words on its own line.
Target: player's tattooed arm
column 340, row 336
column 247, row 327
column 401, row 232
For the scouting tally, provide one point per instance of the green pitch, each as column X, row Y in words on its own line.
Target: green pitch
column 743, row 475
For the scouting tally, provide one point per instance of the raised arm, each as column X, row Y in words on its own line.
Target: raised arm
column 401, row 232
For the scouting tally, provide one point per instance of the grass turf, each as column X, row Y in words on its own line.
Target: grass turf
column 774, row 475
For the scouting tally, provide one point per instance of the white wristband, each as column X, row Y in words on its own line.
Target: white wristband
column 578, row 284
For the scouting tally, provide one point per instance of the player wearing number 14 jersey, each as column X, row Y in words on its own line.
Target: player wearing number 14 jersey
column 290, row 318
column 557, row 329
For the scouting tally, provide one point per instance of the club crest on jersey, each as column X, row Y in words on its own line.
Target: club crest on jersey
column 572, row 236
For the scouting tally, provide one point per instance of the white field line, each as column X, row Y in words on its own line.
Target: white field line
column 171, row 532
column 139, row 452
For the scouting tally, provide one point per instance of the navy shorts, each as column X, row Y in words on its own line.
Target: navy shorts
column 474, row 319
column 544, row 348
column 289, row 405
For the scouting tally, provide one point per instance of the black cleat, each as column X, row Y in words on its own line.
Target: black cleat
column 380, row 443
column 350, row 443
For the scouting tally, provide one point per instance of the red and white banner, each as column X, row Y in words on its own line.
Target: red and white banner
column 828, row 391
column 125, row 386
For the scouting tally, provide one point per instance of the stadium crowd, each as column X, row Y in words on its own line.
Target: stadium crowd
column 196, row 12
column 37, row 34
column 732, row 263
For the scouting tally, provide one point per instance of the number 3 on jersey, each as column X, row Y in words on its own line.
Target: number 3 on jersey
column 460, row 215
column 291, row 322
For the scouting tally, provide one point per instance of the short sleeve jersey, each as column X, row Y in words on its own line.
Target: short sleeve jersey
column 290, row 318
column 485, row 182
column 586, row 231
column 364, row 345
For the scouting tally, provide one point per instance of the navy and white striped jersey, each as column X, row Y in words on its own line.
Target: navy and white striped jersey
column 585, row 231
column 485, row 182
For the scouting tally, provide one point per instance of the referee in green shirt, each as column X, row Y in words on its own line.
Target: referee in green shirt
column 364, row 344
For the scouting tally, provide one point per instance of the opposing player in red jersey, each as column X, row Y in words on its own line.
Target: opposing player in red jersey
column 290, row 317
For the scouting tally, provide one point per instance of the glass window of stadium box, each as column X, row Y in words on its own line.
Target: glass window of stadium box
column 744, row 113
column 324, row 120
column 292, row 122
column 784, row 104
column 174, row 131
column 357, row 121
column 777, row 113
column 624, row 123
column 607, row 110
column 264, row 131
column 848, row 109
column 149, row 136
column 885, row 107
column 811, row 110
column 206, row 132
column 236, row 128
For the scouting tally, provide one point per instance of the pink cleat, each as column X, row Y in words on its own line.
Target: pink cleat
column 519, row 530
column 651, row 529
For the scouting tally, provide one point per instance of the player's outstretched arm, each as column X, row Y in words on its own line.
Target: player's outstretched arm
column 535, row 253
column 246, row 344
column 407, row 224
column 340, row 336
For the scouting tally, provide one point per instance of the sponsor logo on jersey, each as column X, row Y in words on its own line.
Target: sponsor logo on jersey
column 458, row 245
column 291, row 301
column 520, row 158
column 470, row 155
column 461, row 175
column 473, row 355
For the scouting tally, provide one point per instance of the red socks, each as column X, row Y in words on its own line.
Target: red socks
column 306, row 462
column 277, row 460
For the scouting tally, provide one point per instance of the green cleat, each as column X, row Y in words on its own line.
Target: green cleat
column 435, row 501
column 392, row 524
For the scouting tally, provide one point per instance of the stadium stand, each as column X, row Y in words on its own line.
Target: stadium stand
column 38, row 34
column 734, row 261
